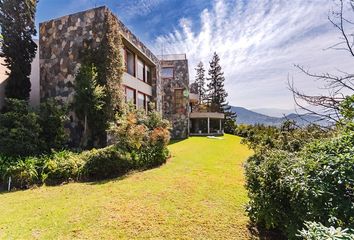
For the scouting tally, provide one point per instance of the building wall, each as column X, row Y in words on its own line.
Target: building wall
column 60, row 42
column 179, row 118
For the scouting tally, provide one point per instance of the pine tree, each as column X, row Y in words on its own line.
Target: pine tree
column 18, row 48
column 88, row 100
column 200, row 82
column 216, row 91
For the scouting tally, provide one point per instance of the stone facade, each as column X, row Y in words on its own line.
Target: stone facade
column 59, row 51
column 60, row 43
column 177, row 115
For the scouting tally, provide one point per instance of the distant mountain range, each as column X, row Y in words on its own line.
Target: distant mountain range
column 245, row 116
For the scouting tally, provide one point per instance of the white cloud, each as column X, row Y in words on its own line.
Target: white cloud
column 134, row 8
column 259, row 41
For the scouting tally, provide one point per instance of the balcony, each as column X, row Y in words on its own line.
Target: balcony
column 172, row 57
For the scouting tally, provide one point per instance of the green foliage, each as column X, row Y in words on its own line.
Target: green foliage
column 144, row 135
column 19, row 130
column 199, row 83
column 64, row 166
column 315, row 231
column 288, row 137
column 17, row 20
column 109, row 68
column 315, row 184
column 23, row 173
column 24, row 132
column 88, row 100
column 347, row 111
column 106, row 163
column 52, row 117
column 216, row 93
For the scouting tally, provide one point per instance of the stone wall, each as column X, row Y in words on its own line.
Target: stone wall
column 60, row 42
column 178, row 118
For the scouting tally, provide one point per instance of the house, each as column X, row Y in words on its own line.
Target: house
column 163, row 80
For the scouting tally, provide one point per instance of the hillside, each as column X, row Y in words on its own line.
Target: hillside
column 245, row 116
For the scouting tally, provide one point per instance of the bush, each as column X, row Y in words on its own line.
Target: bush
column 316, row 184
column 315, row 231
column 19, row 130
column 146, row 136
column 106, row 163
column 23, row 174
column 62, row 167
column 52, row 117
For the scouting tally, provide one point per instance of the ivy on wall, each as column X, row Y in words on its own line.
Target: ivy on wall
column 108, row 61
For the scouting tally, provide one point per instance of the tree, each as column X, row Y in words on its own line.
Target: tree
column 200, row 82
column 89, row 99
column 328, row 106
column 216, row 92
column 52, row 117
column 19, row 130
column 18, row 48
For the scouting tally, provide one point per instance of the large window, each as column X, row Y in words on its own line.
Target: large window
column 130, row 95
column 141, row 101
column 129, row 62
column 140, row 70
column 167, row 72
column 179, row 108
column 147, row 74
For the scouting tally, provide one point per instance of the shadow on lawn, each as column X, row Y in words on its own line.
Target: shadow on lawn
column 263, row 234
column 174, row 141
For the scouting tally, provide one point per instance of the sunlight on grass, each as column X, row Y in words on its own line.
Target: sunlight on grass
column 199, row 194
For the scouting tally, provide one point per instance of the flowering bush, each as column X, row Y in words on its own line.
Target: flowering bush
column 145, row 136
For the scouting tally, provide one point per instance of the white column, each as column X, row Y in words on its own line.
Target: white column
column 208, row 125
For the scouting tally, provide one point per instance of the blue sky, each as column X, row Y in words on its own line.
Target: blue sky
column 259, row 41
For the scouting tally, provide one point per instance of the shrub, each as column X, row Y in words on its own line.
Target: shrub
column 23, row 174
column 146, row 136
column 316, row 184
column 52, row 117
column 105, row 163
column 19, row 130
column 62, row 167
column 315, row 231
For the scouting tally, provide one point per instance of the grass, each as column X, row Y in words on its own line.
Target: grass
column 198, row 194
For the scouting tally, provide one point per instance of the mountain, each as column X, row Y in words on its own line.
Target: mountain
column 273, row 112
column 245, row 116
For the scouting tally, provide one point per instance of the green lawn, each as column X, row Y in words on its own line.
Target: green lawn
column 198, row 194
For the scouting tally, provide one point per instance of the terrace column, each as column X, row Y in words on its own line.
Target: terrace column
column 208, row 125
column 220, row 124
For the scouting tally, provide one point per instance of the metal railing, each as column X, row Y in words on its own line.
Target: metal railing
column 171, row 57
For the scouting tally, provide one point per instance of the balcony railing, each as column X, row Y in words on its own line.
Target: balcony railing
column 172, row 57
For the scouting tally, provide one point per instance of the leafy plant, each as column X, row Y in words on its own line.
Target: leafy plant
column 52, row 116
column 105, row 163
column 62, row 167
column 19, row 130
column 23, row 173
column 315, row 231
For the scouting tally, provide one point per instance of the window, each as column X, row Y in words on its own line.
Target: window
column 140, row 70
column 141, row 101
column 130, row 95
column 167, row 72
column 147, row 74
column 179, row 100
column 130, row 62
column 148, row 100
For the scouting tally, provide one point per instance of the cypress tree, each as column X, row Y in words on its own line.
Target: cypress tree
column 18, row 48
column 200, row 82
column 216, row 91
